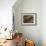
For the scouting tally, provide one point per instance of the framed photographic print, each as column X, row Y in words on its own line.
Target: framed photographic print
column 29, row 19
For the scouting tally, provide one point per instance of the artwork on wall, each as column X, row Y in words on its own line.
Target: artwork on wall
column 29, row 19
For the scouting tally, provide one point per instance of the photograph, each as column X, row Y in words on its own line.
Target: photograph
column 28, row 18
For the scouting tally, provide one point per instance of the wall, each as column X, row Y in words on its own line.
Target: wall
column 29, row 32
column 6, row 13
column 43, row 22
column 6, row 16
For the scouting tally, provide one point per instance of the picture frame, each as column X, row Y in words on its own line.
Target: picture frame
column 29, row 19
